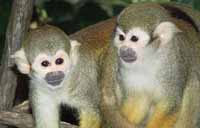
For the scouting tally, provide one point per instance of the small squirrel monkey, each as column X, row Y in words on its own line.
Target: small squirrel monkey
column 64, row 70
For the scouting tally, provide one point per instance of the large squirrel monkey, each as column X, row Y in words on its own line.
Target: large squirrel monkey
column 153, row 68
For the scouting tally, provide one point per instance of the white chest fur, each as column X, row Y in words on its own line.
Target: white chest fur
column 141, row 76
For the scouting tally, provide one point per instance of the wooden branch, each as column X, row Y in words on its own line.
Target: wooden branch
column 23, row 107
column 18, row 25
column 20, row 118
column 17, row 28
column 23, row 120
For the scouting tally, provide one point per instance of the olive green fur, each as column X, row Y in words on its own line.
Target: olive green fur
column 45, row 39
column 81, row 86
column 183, row 51
column 191, row 12
column 137, row 14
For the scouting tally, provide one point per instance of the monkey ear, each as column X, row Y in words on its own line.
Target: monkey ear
column 165, row 31
column 74, row 43
column 21, row 61
column 74, row 53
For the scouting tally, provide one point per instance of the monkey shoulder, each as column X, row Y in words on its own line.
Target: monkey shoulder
column 95, row 38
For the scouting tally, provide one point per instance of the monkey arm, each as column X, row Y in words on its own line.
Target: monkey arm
column 135, row 109
column 90, row 118
column 190, row 111
column 113, row 117
column 45, row 111
column 111, row 99
column 164, row 115
column 117, row 121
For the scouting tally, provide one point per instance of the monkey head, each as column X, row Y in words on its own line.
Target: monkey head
column 47, row 54
column 140, row 29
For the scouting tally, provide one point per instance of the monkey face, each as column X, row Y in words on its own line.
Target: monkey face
column 49, row 67
column 131, row 44
column 136, row 45
column 47, row 56
column 52, row 68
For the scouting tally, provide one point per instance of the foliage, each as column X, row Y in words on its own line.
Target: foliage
column 4, row 15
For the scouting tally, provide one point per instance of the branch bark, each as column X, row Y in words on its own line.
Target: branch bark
column 20, row 117
column 23, row 120
column 23, row 107
column 18, row 26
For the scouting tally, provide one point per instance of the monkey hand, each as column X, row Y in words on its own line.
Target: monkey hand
column 90, row 119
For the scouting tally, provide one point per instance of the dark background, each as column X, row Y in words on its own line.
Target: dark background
column 72, row 15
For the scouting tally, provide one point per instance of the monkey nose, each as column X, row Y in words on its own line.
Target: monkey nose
column 54, row 78
column 128, row 54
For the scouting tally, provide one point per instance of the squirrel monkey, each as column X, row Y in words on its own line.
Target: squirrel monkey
column 64, row 71
column 153, row 69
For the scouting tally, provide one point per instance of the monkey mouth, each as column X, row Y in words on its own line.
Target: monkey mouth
column 127, row 54
column 54, row 78
column 55, row 82
column 129, row 58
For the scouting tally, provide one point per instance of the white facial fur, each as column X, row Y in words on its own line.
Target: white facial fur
column 141, row 74
column 164, row 33
column 42, row 71
column 69, row 61
column 138, row 46
column 143, row 37
column 39, row 70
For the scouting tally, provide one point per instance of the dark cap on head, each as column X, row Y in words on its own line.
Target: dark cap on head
column 46, row 39
column 144, row 15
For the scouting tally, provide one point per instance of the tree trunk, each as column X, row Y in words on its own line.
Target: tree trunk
column 17, row 28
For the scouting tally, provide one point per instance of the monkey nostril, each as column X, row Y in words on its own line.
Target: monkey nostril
column 124, row 49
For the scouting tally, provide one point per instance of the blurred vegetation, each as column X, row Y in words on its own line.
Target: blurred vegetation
column 72, row 15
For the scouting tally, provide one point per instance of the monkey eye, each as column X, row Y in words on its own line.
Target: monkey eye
column 59, row 61
column 121, row 37
column 134, row 38
column 45, row 63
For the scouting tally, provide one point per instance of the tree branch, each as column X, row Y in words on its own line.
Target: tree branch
column 20, row 118
column 23, row 120
column 18, row 25
column 23, row 107
column 17, row 28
